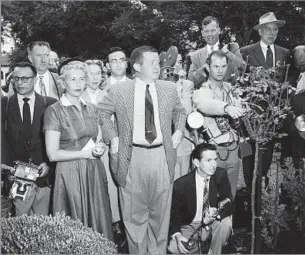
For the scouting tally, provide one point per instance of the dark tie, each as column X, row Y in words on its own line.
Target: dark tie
column 205, row 204
column 269, row 57
column 150, row 128
column 27, row 126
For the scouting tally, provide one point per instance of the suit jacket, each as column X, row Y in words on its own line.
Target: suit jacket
column 184, row 202
column 199, row 57
column 20, row 147
column 107, row 85
column 185, row 92
column 120, row 100
column 100, row 95
column 256, row 56
column 55, row 89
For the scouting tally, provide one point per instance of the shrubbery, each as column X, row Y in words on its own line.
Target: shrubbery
column 51, row 235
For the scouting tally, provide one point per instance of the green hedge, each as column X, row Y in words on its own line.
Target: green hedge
column 51, row 235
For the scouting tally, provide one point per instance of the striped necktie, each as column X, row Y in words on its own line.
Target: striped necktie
column 42, row 86
column 205, row 204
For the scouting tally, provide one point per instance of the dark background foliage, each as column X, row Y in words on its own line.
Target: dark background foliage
column 89, row 28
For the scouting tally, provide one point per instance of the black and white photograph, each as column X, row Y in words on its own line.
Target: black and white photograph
column 152, row 127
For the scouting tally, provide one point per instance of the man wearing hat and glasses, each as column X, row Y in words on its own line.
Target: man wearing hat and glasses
column 264, row 53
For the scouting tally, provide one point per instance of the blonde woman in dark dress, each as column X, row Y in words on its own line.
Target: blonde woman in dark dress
column 72, row 140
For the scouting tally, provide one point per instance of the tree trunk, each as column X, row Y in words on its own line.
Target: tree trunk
column 256, row 202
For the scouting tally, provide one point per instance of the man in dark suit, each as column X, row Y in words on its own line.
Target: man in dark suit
column 23, row 127
column 46, row 83
column 210, row 33
column 266, row 54
column 143, row 149
column 195, row 199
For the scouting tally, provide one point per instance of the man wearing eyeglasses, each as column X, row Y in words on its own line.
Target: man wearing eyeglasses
column 210, row 33
column 117, row 64
column 46, row 82
column 23, row 113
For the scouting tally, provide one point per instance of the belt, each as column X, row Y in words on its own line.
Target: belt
column 147, row 146
column 225, row 144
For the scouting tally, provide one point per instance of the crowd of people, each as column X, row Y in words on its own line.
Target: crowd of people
column 117, row 152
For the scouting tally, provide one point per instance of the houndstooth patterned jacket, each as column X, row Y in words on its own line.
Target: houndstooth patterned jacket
column 120, row 101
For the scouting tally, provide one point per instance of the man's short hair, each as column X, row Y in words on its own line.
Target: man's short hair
column 31, row 45
column 197, row 152
column 26, row 64
column 218, row 53
column 207, row 20
column 137, row 54
column 114, row 49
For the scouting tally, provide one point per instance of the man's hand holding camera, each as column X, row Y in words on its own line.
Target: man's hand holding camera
column 43, row 169
column 179, row 239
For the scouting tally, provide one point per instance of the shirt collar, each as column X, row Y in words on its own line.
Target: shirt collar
column 265, row 46
column 200, row 178
column 44, row 75
column 31, row 97
column 65, row 102
column 215, row 46
column 139, row 81
column 113, row 80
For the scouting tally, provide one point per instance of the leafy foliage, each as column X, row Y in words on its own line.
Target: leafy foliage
column 89, row 29
column 51, row 235
column 266, row 100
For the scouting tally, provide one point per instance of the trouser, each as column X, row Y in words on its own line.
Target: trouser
column 146, row 201
column 221, row 231
column 228, row 159
column 182, row 166
column 37, row 203
column 112, row 189
column 264, row 157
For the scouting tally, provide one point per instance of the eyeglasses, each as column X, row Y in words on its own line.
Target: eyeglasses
column 23, row 78
column 117, row 61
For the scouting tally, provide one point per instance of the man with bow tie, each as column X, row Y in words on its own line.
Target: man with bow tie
column 210, row 33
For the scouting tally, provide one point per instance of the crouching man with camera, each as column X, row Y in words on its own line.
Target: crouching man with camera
column 201, row 205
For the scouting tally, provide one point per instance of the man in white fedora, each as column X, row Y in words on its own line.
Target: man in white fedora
column 264, row 53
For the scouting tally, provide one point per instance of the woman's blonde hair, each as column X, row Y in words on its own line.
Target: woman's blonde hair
column 73, row 65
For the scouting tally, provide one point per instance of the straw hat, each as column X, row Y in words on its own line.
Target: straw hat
column 269, row 17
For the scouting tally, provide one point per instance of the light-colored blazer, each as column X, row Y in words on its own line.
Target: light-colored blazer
column 120, row 101
column 55, row 89
column 185, row 92
column 199, row 58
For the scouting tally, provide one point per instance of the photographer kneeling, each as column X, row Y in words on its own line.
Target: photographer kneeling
column 201, row 205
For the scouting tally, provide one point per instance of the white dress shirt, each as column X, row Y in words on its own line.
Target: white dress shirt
column 199, row 196
column 46, row 82
column 31, row 103
column 265, row 48
column 300, row 83
column 114, row 81
column 215, row 47
column 139, row 113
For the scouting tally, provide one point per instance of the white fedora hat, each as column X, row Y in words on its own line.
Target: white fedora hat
column 269, row 17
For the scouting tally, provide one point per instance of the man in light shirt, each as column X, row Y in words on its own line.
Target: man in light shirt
column 23, row 116
column 210, row 33
column 216, row 101
column 46, row 82
column 117, row 64
column 143, row 149
column 196, row 197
